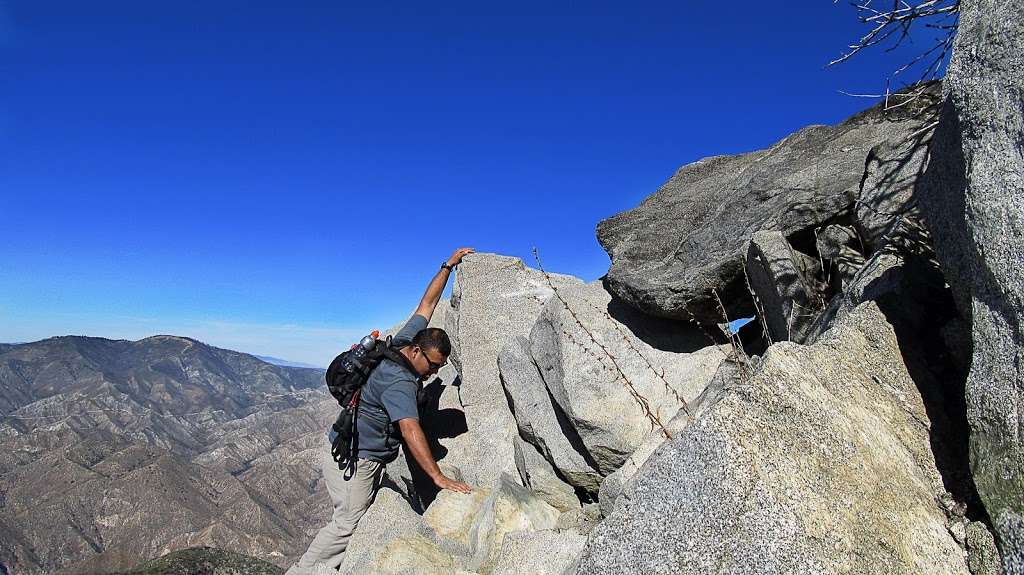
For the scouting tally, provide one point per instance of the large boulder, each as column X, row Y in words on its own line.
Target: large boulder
column 540, row 477
column 459, row 533
column 621, row 480
column 819, row 463
column 540, row 419
column 539, row 553
column 613, row 386
column 689, row 237
column 783, row 281
column 972, row 194
column 474, row 526
column 494, row 299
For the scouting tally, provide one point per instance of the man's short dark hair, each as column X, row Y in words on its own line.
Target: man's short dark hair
column 434, row 338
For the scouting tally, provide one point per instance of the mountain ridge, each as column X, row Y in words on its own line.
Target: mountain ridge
column 98, row 437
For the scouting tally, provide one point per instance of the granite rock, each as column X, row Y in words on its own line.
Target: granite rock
column 729, row 372
column 613, row 387
column 388, row 521
column 819, row 463
column 494, row 299
column 540, row 477
column 783, row 283
column 540, row 420
column 690, row 236
column 972, row 194
column 477, row 523
column 539, row 553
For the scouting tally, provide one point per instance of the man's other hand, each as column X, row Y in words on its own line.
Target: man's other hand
column 460, row 253
column 445, row 483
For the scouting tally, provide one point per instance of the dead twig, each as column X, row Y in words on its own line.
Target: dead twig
column 891, row 21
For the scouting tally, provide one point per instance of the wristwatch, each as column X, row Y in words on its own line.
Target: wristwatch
column 447, row 266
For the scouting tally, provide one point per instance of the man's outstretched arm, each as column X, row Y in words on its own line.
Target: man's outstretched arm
column 416, row 443
column 436, row 287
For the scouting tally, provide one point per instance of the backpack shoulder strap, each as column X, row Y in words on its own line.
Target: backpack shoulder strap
column 395, row 356
column 392, row 354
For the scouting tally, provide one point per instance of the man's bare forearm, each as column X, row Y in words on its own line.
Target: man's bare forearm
column 416, row 443
column 433, row 294
column 436, row 286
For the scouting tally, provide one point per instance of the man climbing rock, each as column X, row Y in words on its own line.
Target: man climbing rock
column 387, row 416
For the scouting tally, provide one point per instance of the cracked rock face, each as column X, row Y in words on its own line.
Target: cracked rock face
column 540, row 420
column 461, row 534
column 785, row 473
column 494, row 299
column 690, row 236
column 972, row 194
column 612, row 386
column 540, row 477
column 789, row 298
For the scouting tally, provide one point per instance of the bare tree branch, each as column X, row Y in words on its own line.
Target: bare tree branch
column 891, row 23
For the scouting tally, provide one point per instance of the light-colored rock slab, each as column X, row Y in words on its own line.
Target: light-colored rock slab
column 509, row 509
column 494, row 299
column 820, row 463
column 453, row 515
column 539, row 418
column 610, row 384
column 539, row 553
column 415, row 554
column 538, row 476
column 473, row 526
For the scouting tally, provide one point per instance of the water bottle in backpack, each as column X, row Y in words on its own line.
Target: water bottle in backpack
column 345, row 378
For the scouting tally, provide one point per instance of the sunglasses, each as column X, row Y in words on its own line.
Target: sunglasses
column 433, row 366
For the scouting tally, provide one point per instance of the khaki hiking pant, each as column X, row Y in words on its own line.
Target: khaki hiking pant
column 351, row 498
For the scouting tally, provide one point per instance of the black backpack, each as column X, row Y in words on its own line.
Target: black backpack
column 345, row 379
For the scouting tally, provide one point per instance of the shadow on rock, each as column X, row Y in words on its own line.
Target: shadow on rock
column 919, row 328
column 660, row 333
column 437, row 424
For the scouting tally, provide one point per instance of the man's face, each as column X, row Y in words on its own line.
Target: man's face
column 428, row 361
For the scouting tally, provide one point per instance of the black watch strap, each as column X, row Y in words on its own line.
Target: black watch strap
column 447, row 266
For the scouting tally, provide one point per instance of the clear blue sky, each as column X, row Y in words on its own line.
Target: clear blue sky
column 277, row 177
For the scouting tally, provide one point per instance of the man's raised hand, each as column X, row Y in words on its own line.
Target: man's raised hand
column 460, row 253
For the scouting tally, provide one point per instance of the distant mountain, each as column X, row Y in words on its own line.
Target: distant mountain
column 286, row 363
column 203, row 560
column 115, row 451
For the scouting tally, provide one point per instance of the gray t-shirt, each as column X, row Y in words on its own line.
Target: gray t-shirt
column 388, row 396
